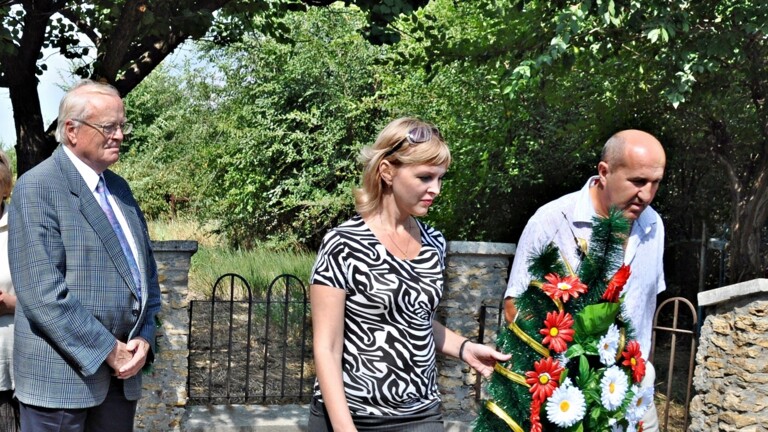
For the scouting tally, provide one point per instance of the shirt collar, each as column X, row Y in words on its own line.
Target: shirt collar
column 585, row 211
column 90, row 176
column 644, row 223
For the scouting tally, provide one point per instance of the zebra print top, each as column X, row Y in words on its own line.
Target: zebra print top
column 388, row 364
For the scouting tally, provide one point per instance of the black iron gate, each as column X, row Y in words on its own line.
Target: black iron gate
column 250, row 347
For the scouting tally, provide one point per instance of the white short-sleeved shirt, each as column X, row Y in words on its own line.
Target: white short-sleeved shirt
column 571, row 216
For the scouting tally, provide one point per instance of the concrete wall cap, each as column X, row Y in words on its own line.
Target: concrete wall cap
column 480, row 248
column 730, row 292
column 174, row 246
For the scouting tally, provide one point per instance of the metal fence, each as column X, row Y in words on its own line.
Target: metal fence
column 250, row 347
column 669, row 353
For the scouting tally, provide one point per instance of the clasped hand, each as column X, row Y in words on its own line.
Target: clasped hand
column 127, row 359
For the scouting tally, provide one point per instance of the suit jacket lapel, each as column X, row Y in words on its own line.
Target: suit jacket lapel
column 95, row 216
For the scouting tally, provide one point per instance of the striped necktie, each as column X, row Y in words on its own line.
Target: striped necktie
column 103, row 192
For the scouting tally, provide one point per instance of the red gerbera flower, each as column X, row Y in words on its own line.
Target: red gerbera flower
column 616, row 284
column 563, row 288
column 633, row 360
column 536, row 416
column 545, row 379
column 558, row 331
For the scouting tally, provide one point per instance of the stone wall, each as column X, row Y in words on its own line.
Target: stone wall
column 164, row 394
column 476, row 274
column 731, row 375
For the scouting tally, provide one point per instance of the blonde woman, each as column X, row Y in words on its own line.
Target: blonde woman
column 375, row 288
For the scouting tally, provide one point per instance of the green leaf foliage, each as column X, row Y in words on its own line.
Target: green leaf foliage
column 692, row 73
column 274, row 131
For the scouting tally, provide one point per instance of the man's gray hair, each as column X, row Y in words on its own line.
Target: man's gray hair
column 75, row 104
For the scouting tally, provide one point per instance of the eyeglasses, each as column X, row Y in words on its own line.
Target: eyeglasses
column 417, row 135
column 109, row 129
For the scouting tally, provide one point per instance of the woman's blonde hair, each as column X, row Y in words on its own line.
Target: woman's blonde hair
column 393, row 145
column 6, row 176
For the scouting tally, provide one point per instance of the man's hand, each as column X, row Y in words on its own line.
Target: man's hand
column 127, row 359
column 118, row 357
column 138, row 348
column 510, row 311
column 7, row 303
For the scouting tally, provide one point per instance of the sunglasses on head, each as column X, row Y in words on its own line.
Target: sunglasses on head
column 417, row 135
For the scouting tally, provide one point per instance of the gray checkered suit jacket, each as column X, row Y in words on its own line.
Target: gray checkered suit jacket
column 74, row 287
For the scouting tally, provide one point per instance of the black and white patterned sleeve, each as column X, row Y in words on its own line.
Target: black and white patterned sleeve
column 329, row 268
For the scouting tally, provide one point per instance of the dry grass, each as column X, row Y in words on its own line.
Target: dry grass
column 185, row 229
column 676, row 420
column 259, row 266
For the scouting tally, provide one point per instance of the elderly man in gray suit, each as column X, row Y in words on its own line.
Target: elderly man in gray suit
column 85, row 276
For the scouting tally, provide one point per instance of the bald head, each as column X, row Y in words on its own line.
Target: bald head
column 631, row 168
column 631, row 143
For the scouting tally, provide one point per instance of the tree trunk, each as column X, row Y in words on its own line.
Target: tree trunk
column 749, row 198
column 32, row 143
column 747, row 257
column 751, row 211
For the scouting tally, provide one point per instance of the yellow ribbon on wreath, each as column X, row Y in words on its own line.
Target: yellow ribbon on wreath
column 539, row 348
column 492, row 407
column 512, row 376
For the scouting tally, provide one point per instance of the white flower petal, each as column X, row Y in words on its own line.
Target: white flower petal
column 609, row 345
column 613, row 388
column 642, row 399
column 566, row 406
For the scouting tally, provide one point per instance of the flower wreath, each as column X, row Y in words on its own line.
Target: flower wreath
column 575, row 365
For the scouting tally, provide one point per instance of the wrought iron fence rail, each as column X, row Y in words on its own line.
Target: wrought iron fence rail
column 255, row 348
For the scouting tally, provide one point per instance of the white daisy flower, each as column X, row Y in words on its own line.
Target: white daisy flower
column 642, row 399
column 566, row 406
column 613, row 385
column 609, row 345
column 562, row 359
column 616, row 428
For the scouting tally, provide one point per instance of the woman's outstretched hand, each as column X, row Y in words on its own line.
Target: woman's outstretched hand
column 483, row 358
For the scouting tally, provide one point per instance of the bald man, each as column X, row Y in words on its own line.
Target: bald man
column 628, row 176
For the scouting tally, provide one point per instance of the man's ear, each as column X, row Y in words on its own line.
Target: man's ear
column 602, row 171
column 71, row 131
column 386, row 172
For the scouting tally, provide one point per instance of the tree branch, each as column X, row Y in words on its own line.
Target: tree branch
column 82, row 26
column 113, row 54
column 146, row 55
column 722, row 141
